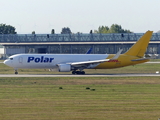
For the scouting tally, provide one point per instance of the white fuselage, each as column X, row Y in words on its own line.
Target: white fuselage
column 48, row 61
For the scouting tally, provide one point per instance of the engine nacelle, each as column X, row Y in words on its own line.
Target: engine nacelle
column 64, row 68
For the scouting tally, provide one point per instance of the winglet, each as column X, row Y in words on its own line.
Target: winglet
column 117, row 55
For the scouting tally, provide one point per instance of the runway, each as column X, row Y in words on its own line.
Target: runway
column 87, row 75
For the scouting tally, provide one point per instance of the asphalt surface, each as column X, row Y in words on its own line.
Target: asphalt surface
column 87, row 75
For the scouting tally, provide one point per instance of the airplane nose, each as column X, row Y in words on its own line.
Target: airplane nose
column 7, row 62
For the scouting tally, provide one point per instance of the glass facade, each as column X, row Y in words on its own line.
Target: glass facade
column 75, row 43
column 21, row 38
column 75, row 49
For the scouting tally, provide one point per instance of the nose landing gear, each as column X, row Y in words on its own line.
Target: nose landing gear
column 16, row 72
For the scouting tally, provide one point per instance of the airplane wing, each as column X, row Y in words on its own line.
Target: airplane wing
column 89, row 62
column 80, row 65
column 85, row 64
column 98, row 61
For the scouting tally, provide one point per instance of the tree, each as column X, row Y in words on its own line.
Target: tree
column 102, row 29
column 115, row 28
column 90, row 32
column 7, row 29
column 52, row 32
column 33, row 32
column 66, row 31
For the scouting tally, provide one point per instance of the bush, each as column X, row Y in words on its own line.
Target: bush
column 60, row 88
column 87, row 88
column 93, row 89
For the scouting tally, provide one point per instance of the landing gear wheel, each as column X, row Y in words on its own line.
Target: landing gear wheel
column 73, row 72
column 82, row 72
column 16, row 72
column 79, row 72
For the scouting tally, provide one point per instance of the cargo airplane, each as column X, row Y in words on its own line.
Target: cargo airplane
column 78, row 62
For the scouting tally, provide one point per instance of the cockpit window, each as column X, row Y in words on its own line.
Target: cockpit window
column 11, row 58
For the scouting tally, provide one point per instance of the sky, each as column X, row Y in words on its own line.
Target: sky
column 82, row 16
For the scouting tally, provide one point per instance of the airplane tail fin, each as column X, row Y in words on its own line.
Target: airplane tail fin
column 139, row 48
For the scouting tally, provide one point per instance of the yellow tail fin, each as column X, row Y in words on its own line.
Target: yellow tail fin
column 139, row 48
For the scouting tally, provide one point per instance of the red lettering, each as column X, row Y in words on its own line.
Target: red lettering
column 113, row 61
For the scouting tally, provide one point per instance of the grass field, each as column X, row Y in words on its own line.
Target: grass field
column 101, row 98
column 125, row 98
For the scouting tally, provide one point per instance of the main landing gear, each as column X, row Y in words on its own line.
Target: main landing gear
column 78, row 72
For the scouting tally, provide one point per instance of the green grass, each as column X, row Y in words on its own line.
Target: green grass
column 155, row 60
column 124, row 98
column 112, row 98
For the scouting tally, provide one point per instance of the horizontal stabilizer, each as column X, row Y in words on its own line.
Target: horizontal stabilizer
column 140, row 59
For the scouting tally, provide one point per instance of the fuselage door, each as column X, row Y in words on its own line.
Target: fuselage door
column 20, row 60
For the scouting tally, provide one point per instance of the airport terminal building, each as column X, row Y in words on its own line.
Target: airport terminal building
column 73, row 43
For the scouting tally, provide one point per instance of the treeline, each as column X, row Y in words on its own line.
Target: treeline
column 115, row 28
column 7, row 29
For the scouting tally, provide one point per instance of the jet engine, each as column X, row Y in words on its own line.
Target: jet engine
column 64, row 67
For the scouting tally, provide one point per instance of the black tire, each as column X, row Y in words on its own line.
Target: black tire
column 73, row 72
column 78, row 72
column 82, row 72
column 16, row 72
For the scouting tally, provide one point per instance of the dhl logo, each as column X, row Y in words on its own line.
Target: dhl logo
column 113, row 61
